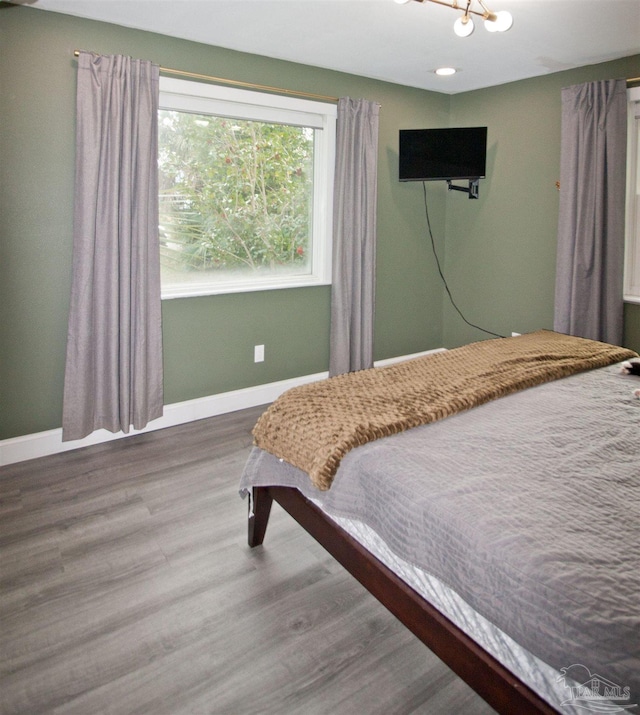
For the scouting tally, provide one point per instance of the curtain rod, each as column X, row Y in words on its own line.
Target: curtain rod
column 266, row 88
column 238, row 83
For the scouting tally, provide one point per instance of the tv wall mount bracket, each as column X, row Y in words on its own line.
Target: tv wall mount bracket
column 473, row 190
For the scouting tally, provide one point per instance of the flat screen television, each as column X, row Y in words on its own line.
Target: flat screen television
column 442, row 154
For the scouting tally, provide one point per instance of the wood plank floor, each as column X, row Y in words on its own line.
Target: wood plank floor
column 126, row 586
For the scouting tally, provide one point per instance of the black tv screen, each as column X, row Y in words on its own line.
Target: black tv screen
column 440, row 154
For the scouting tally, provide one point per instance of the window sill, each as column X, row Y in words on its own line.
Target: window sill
column 199, row 290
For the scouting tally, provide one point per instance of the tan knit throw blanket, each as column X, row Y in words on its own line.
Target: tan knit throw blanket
column 313, row 426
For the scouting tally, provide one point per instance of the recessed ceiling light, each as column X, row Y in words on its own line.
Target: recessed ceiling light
column 445, row 71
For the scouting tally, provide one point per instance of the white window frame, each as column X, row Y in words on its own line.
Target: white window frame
column 202, row 98
column 632, row 223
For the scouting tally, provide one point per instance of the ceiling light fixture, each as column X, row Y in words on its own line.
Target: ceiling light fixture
column 463, row 26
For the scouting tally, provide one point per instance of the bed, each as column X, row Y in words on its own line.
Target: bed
column 489, row 497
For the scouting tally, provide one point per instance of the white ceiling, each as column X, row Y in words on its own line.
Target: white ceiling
column 384, row 40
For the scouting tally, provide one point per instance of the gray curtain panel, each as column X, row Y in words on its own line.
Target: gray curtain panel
column 354, row 236
column 590, row 255
column 113, row 376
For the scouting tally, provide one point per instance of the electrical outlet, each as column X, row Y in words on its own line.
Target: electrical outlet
column 258, row 353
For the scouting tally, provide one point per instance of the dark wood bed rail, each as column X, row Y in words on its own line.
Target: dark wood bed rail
column 489, row 678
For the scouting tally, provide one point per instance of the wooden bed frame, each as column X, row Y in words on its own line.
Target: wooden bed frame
column 491, row 680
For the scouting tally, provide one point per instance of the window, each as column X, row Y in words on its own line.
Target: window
column 246, row 189
column 632, row 256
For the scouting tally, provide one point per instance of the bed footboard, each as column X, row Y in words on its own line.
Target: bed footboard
column 489, row 678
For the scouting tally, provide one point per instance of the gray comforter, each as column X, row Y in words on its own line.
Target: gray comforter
column 528, row 507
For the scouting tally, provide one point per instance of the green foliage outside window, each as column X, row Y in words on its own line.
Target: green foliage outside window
column 235, row 195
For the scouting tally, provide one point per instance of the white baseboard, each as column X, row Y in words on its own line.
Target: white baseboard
column 41, row 444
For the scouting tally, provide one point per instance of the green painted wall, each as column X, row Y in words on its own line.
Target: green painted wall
column 501, row 249
column 208, row 342
column 498, row 252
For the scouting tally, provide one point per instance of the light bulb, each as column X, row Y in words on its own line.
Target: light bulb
column 445, row 71
column 502, row 23
column 463, row 26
